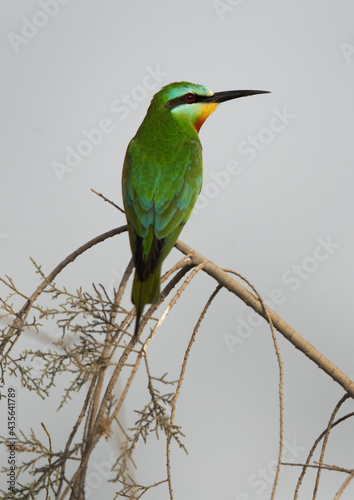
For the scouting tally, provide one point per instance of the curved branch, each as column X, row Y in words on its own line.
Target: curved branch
column 324, row 444
column 324, row 434
column 289, row 333
column 224, row 279
column 281, row 379
column 19, row 322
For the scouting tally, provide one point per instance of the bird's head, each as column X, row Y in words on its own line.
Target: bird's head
column 192, row 103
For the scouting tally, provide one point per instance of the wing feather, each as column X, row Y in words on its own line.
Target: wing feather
column 159, row 198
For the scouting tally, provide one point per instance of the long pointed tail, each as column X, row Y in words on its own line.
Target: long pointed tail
column 145, row 292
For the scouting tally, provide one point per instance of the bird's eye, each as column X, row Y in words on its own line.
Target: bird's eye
column 189, row 97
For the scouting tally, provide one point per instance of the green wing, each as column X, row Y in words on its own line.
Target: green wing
column 159, row 195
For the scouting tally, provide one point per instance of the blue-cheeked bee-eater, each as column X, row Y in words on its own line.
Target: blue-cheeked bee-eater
column 162, row 178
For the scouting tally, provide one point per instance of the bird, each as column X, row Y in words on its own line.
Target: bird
column 162, row 178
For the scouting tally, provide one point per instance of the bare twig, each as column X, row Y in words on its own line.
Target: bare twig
column 72, row 435
column 180, row 380
column 108, row 201
column 325, row 441
column 323, row 434
column 344, row 485
column 187, row 266
column 281, row 380
column 317, row 466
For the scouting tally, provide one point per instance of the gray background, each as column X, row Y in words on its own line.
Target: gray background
column 288, row 195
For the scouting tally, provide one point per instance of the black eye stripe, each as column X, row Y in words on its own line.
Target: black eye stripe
column 177, row 101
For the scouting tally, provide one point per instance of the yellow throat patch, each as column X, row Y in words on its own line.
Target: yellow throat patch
column 206, row 110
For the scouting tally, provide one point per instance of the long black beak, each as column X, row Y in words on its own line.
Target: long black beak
column 218, row 97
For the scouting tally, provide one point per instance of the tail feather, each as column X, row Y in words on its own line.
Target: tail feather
column 145, row 292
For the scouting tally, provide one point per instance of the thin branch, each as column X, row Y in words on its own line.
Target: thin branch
column 344, row 485
column 325, row 441
column 180, row 380
column 73, row 432
column 281, row 380
column 317, row 466
column 108, row 201
column 181, row 263
column 187, row 266
column 312, row 451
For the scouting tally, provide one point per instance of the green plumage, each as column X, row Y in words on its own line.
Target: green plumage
column 162, row 177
